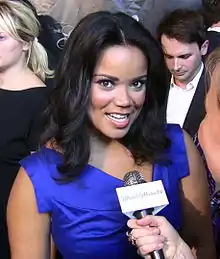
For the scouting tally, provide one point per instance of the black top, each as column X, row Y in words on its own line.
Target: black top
column 21, row 123
column 196, row 111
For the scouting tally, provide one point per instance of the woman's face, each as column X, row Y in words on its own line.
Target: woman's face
column 12, row 52
column 118, row 90
column 209, row 131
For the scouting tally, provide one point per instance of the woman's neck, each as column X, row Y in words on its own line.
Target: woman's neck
column 101, row 147
column 13, row 78
column 100, row 142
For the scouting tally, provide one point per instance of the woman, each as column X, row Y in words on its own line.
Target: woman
column 153, row 239
column 208, row 132
column 23, row 69
column 105, row 120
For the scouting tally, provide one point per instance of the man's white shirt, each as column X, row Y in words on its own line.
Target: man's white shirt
column 180, row 99
column 216, row 29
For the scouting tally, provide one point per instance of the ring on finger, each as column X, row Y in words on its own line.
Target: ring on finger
column 131, row 238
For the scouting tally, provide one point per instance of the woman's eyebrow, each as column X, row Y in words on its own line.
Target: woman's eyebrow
column 113, row 78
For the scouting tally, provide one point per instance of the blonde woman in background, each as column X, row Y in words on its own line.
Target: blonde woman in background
column 23, row 69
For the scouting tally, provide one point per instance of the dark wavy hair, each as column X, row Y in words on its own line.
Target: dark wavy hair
column 68, row 125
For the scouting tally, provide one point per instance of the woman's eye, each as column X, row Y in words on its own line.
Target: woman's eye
column 138, row 85
column 2, row 37
column 106, row 83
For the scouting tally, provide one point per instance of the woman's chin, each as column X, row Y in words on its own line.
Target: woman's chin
column 116, row 133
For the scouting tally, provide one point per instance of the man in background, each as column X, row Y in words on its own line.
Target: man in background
column 183, row 38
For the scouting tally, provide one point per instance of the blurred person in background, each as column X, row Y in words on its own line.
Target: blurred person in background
column 23, row 95
column 208, row 134
column 211, row 12
column 149, row 12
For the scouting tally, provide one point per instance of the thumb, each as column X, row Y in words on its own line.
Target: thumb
column 132, row 223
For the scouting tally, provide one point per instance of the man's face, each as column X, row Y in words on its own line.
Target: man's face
column 183, row 60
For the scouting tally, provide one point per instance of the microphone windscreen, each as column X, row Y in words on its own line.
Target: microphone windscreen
column 133, row 178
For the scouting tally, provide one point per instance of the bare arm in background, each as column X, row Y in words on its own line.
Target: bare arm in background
column 197, row 228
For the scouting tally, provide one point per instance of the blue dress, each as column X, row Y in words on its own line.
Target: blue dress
column 86, row 220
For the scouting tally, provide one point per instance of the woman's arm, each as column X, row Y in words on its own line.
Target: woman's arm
column 197, row 229
column 53, row 250
column 29, row 231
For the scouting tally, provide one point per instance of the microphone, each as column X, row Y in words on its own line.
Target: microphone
column 134, row 178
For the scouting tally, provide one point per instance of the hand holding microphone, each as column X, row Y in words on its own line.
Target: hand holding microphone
column 154, row 232
column 134, row 178
column 154, row 236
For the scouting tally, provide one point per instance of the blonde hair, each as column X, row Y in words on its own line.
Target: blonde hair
column 212, row 65
column 19, row 21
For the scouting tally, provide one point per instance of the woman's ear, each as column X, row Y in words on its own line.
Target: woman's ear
column 26, row 46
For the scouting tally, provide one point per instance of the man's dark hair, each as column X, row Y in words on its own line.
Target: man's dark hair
column 184, row 25
column 211, row 11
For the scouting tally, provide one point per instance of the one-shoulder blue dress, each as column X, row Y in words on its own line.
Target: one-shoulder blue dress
column 86, row 219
